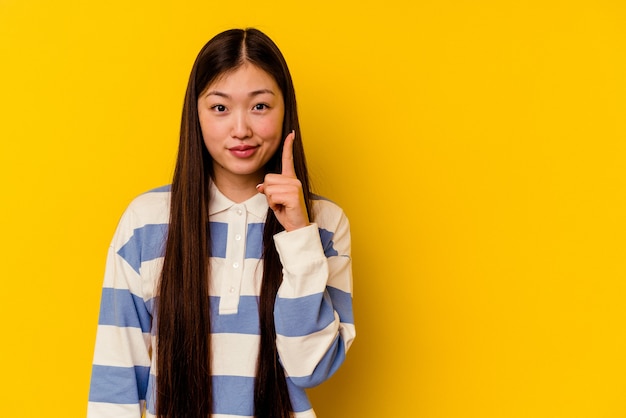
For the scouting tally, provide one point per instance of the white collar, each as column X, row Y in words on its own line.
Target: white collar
column 256, row 205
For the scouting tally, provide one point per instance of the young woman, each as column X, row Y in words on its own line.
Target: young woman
column 229, row 292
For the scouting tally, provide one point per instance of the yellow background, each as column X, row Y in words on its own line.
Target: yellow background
column 478, row 148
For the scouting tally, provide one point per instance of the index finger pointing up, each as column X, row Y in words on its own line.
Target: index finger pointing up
column 288, row 168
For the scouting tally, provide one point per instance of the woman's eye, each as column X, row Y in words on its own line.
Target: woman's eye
column 261, row 106
column 219, row 108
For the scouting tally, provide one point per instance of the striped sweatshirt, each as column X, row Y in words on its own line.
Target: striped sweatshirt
column 313, row 309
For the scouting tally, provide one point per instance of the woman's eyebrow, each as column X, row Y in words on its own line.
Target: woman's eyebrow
column 262, row 91
column 217, row 93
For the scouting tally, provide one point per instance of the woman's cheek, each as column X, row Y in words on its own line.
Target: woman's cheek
column 270, row 129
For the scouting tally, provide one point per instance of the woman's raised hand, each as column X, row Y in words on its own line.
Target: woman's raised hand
column 284, row 191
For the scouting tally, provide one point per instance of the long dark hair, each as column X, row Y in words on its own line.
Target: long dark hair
column 183, row 329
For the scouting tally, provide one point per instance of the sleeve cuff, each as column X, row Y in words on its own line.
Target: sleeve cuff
column 300, row 246
column 305, row 267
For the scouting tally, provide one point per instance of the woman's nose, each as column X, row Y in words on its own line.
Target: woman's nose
column 241, row 127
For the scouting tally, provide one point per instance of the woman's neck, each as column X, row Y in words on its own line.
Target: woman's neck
column 238, row 188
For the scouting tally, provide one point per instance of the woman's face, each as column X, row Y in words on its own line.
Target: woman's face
column 241, row 117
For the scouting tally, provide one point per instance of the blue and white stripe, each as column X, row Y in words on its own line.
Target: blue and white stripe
column 313, row 312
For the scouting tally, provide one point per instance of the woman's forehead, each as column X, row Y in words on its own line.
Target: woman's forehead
column 245, row 78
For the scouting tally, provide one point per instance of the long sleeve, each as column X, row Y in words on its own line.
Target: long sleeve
column 313, row 310
column 121, row 365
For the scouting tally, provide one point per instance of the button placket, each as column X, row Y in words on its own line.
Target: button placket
column 235, row 254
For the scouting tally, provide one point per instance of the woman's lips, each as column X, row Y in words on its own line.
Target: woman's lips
column 243, row 151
